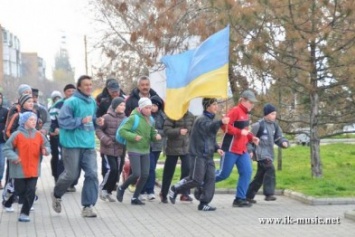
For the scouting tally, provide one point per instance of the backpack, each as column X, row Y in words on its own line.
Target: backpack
column 121, row 139
column 10, row 120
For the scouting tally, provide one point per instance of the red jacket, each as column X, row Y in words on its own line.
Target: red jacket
column 233, row 141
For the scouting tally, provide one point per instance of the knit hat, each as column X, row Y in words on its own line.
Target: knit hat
column 24, row 117
column 269, row 108
column 116, row 102
column 156, row 100
column 56, row 94
column 113, row 86
column 143, row 102
column 249, row 95
column 22, row 88
column 23, row 99
column 69, row 86
column 206, row 102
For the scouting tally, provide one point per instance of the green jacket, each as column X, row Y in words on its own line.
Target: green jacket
column 145, row 129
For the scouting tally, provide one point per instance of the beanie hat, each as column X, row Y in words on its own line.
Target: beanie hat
column 116, row 102
column 56, row 94
column 206, row 102
column 22, row 88
column 269, row 108
column 23, row 99
column 24, row 117
column 156, row 100
column 113, row 86
column 143, row 102
column 69, row 86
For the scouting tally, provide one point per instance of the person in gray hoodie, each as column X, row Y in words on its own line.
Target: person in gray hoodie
column 269, row 133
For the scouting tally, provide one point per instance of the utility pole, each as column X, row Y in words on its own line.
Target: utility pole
column 86, row 55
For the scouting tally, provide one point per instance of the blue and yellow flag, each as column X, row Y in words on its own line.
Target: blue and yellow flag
column 201, row 72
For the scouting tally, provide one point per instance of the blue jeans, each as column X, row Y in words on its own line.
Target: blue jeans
column 149, row 185
column 2, row 162
column 75, row 159
column 243, row 163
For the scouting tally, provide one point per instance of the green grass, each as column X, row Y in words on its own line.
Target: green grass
column 338, row 172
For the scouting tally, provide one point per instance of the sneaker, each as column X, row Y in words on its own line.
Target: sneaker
column 32, row 208
column 88, row 212
column 110, row 198
column 23, row 218
column 56, row 204
column 253, row 201
column 103, row 195
column 186, row 198
column 270, row 198
column 238, row 202
column 197, row 193
column 71, row 189
column 151, row 196
column 136, row 201
column 205, row 207
column 142, row 197
column 163, row 199
column 132, row 188
column 172, row 195
column 9, row 209
column 119, row 194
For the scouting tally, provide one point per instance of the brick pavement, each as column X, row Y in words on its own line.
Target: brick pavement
column 181, row 219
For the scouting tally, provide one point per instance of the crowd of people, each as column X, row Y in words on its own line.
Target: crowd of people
column 133, row 131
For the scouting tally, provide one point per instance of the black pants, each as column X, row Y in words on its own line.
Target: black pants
column 202, row 174
column 54, row 141
column 110, row 178
column 169, row 170
column 26, row 189
column 265, row 175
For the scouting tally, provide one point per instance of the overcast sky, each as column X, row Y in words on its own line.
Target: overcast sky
column 40, row 25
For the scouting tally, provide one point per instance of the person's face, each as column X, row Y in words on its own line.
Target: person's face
column 114, row 94
column 147, row 110
column 248, row 104
column 69, row 92
column 31, row 122
column 35, row 98
column 121, row 108
column 213, row 108
column 28, row 105
column 271, row 116
column 144, row 86
column 86, row 87
column 155, row 108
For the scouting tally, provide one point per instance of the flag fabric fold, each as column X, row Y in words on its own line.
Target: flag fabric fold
column 200, row 72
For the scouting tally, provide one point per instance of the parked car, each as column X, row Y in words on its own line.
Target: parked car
column 302, row 139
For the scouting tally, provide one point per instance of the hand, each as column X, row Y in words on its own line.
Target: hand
column 56, row 131
column 256, row 140
column 183, row 131
column 44, row 152
column 158, row 137
column 285, row 144
column 87, row 119
column 220, row 152
column 251, row 155
column 225, row 120
column 138, row 138
column 244, row 132
column 16, row 162
column 100, row 121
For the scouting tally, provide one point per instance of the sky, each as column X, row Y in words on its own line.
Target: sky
column 41, row 24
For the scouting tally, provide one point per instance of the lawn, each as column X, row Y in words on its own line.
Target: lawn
column 338, row 172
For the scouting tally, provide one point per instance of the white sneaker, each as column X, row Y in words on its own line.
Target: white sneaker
column 142, row 197
column 151, row 196
column 103, row 195
column 9, row 209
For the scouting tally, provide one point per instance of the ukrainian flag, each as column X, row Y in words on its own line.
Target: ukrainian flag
column 201, row 72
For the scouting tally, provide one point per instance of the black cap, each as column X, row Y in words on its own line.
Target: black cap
column 69, row 86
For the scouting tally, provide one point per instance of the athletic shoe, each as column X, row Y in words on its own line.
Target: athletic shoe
column 136, row 201
column 110, row 198
column 151, row 196
column 205, row 207
column 119, row 194
column 23, row 218
column 186, row 198
column 142, row 197
column 238, row 202
column 9, row 209
column 88, row 212
column 172, row 195
column 56, row 204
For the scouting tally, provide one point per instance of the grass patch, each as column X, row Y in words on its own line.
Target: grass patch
column 338, row 172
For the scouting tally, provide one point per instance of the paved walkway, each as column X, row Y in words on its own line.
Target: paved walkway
column 181, row 219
